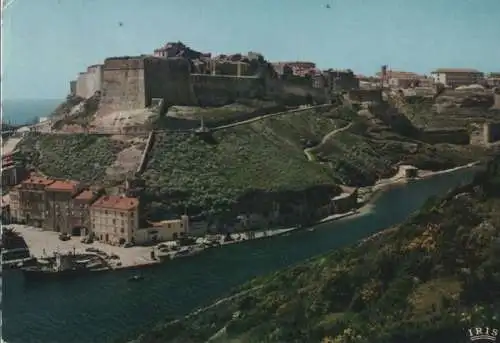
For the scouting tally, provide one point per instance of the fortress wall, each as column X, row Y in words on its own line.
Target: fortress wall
column 221, row 89
column 168, row 79
column 364, row 95
column 89, row 81
column 303, row 90
column 451, row 136
column 122, row 85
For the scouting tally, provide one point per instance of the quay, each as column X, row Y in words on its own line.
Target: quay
column 43, row 244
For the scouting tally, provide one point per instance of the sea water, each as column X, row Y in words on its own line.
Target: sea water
column 24, row 111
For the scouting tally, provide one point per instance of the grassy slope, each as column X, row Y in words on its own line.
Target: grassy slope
column 77, row 156
column 425, row 281
column 263, row 156
column 361, row 158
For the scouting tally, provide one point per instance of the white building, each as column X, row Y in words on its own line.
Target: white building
column 457, row 77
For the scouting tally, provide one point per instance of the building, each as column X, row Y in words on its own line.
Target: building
column 15, row 208
column 89, row 82
column 178, row 49
column 80, row 210
column 457, row 77
column 115, row 219
column 297, row 68
column 59, row 198
column 341, row 80
column 493, row 79
column 165, row 230
column 5, row 204
column 403, row 79
column 11, row 172
column 32, row 200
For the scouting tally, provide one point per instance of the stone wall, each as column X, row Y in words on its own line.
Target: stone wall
column 122, row 84
column 89, row 81
column 457, row 136
column 364, row 95
column 168, row 79
column 214, row 90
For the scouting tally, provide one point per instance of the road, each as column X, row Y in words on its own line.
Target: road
column 309, row 151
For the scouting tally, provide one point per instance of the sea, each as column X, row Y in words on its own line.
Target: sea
column 24, row 111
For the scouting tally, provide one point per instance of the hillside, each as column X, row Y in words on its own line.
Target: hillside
column 451, row 109
column 427, row 280
column 77, row 156
column 259, row 162
column 284, row 162
column 264, row 159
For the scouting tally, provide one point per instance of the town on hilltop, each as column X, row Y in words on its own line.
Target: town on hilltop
column 119, row 96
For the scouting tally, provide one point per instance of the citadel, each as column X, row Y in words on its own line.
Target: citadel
column 181, row 76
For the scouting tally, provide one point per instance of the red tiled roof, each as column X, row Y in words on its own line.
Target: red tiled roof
column 86, row 195
column 37, row 180
column 64, row 186
column 115, row 202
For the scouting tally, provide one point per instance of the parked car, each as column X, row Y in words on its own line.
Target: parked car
column 64, row 237
column 128, row 245
column 87, row 240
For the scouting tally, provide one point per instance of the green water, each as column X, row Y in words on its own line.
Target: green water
column 100, row 308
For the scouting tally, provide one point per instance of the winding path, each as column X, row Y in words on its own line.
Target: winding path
column 309, row 151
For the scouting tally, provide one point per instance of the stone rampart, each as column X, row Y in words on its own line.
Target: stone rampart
column 213, row 90
column 365, row 95
column 168, row 79
column 89, row 81
column 457, row 136
column 122, row 85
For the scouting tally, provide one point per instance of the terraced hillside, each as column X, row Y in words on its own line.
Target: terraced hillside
column 427, row 280
column 77, row 156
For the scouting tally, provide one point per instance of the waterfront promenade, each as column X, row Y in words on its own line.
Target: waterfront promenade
column 45, row 243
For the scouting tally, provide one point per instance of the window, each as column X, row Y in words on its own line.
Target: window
column 122, row 230
column 93, row 226
column 106, row 212
column 114, row 221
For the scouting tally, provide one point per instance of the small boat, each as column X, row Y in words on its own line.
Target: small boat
column 136, row 278
column 311, row 229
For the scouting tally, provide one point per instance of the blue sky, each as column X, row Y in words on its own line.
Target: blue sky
column 47, row 42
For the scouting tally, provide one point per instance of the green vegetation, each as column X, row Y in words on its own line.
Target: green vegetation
column 65, row 107
column 361, row 157
column 214, row 173
column 76, row 156
column 427, row 280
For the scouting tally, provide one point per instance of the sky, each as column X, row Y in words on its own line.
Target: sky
column 47, row 42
